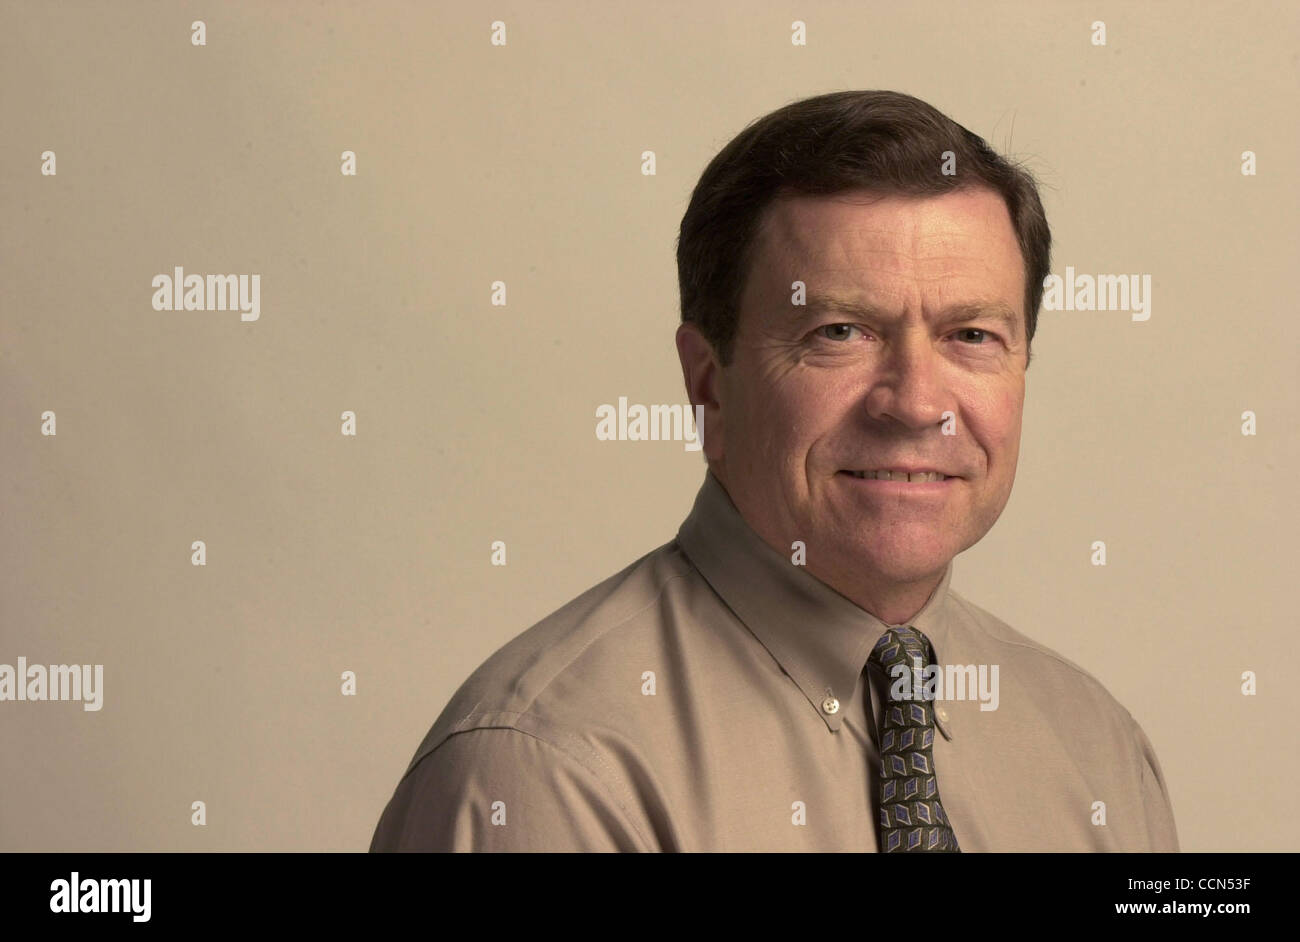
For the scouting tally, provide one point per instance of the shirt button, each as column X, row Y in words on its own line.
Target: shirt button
column 941, row 713
column 831, row 705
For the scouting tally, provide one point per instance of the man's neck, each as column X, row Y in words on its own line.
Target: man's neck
column 892, row 602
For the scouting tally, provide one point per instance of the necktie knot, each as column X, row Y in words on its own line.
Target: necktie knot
column 902, row 645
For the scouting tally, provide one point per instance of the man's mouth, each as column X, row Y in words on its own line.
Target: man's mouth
column 891, row 475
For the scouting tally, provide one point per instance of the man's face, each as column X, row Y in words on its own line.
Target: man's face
column 815, row 394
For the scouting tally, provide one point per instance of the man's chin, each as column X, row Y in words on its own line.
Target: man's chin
column 897, row 565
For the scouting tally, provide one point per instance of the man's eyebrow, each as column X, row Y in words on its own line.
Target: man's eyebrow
column 817, row 304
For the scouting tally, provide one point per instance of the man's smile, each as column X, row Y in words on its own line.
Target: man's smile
column 921, row 484
column 888, row 474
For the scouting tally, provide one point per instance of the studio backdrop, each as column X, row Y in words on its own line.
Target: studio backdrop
column 256, row 533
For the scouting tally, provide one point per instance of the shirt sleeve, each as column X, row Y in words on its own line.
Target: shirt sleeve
column 1162, row 835
column 503, row 790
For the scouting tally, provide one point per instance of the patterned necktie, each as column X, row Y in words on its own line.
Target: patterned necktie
column 911, row 818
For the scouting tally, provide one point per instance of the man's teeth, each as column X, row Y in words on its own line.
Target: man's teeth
column 899, row 475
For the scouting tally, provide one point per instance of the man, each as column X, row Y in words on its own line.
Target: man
column 860, row 279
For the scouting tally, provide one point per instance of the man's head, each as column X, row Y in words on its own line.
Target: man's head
column 921, row 291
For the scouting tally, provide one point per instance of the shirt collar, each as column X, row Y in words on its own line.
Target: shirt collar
column 818, row 636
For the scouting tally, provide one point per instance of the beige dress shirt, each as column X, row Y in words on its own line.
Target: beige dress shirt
column 714, row 696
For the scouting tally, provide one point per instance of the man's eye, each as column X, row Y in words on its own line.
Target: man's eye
column 842, row 332
column 836, row 331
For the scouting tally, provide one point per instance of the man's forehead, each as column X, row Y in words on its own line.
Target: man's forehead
column 845, row 257
column 794, row 226
column 845, row 236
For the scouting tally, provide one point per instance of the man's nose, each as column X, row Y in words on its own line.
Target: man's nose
column 908, row 385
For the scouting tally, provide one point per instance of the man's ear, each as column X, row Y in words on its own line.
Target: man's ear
column 703, row 376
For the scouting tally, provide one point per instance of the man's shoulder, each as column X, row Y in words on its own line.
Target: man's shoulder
column 1059, row 681
column 550, row 680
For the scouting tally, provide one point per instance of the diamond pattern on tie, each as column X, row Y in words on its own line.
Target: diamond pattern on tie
column 911, row 817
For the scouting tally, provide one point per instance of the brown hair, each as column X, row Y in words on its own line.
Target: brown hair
column 882, row 141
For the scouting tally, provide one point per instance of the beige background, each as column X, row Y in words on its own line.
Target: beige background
column 476, row 423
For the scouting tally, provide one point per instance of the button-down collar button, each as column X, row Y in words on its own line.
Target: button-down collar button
column 831, row 705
